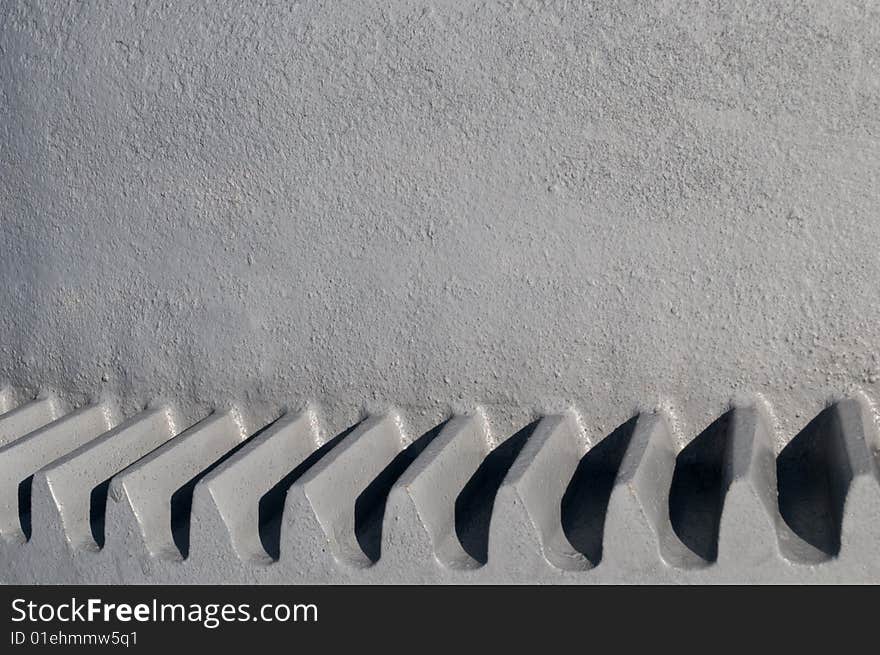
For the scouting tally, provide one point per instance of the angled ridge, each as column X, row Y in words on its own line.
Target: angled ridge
column 336, row 507
column 28, row 417
column 236, row 505
column 22, row 458
column 816, row 470
column 152, row 497
column 638, row 530
column 749, row 525
column 527, row 521
column 71, row 492
column 421, row 517
column 860, row 520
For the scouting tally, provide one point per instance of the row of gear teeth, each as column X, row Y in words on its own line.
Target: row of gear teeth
column 92, row 497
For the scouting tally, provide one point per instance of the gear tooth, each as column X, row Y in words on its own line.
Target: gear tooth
column 157, row 489
column 78, row 483
column 337, row 505
column 816, row 470
column 21, row 458
column 26, row 418
column 860, row 519
column 237, row 506
column 527, row 521
column 749, row 519
column 638, row 530
column 421, row 520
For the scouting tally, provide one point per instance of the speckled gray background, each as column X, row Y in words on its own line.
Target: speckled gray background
column 438, row 205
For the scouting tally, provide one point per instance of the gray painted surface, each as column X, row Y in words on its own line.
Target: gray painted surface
column 149, row 502
column 425, row 210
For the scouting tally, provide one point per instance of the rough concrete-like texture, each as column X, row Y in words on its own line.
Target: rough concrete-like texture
column 438, row 210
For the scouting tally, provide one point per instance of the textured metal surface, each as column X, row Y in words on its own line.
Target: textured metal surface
column 431, row 228
column 91, row 497
column 520, row 205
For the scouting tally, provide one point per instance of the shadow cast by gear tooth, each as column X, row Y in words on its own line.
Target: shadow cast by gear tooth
column 813, row 474
column 473, row 506
column 182, row 498
column 24, row 505
column 585, row 501
column 271, row 505
column 696, row 496
column 369, row 508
